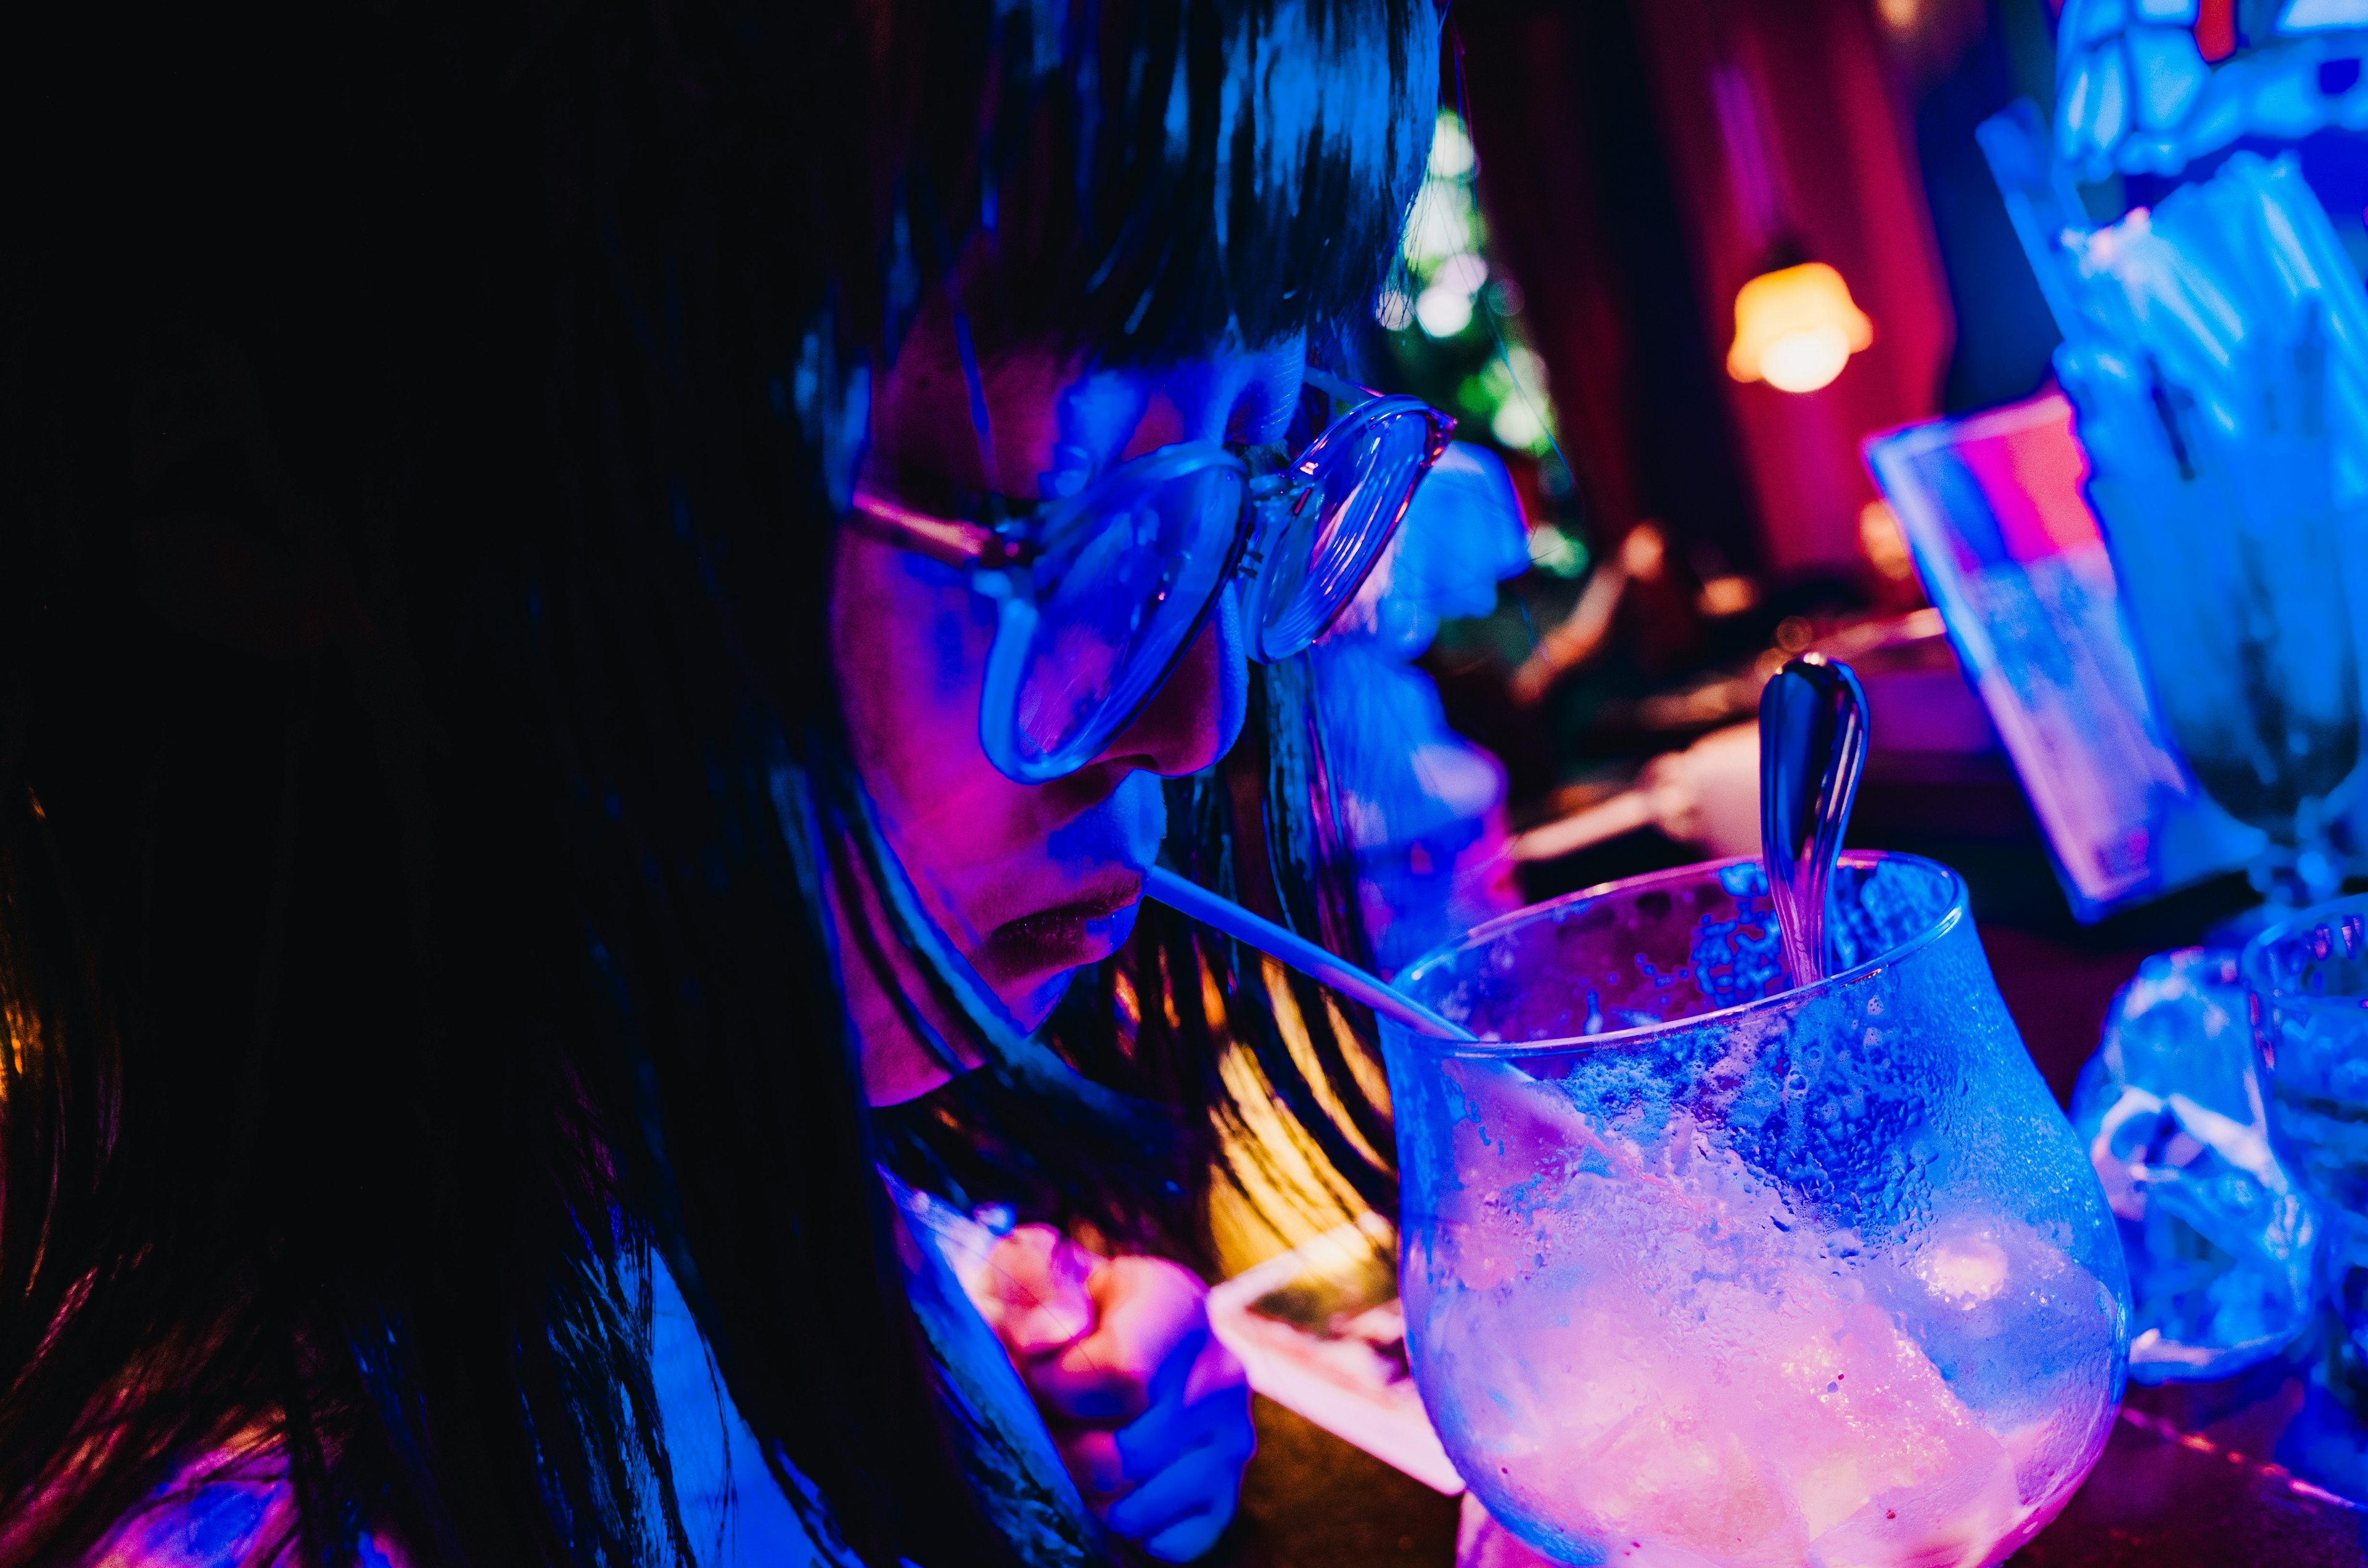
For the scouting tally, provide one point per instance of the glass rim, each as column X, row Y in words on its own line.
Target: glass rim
column 1695, row 871
column 1068, row 520
column 1062, row 519
column 2252, row 962
column 1309, row 464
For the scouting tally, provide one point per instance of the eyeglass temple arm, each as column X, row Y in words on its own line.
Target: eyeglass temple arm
column 1334, row 386
column 946, row 539
column 1348, row 391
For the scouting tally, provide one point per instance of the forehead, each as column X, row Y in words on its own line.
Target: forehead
column 1227, row 390
column 1029, row 410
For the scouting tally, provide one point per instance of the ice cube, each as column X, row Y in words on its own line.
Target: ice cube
column 2220, row 1238
column 2018, row 1331
column 1670, row 1357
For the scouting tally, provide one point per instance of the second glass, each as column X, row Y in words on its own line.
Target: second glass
column 1702, row 1271
column 2309, row 985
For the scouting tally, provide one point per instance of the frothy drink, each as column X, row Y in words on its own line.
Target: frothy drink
column 1682, row 1362
column 1817, row 1277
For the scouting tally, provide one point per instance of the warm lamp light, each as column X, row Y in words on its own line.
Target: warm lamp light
column 1794, row 328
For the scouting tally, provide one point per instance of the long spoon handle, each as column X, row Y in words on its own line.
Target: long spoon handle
column 1188, row 897
column 1813, row 723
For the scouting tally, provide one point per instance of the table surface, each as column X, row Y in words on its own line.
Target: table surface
column 2186, row 1480
column 2168, row 1496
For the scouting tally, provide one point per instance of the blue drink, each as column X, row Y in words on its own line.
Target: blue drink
column 1702, row 1271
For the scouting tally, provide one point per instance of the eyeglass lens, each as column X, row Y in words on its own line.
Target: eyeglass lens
column 1365, row 474
column 1118, row 604
column 1117, row 608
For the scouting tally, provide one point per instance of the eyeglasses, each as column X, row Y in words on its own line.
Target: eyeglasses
column 1099, row 595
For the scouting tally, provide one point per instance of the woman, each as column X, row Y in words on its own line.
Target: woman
column 497, row 814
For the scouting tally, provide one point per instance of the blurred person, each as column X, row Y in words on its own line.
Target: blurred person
column 1884, row 542
column 527, row 787
column 1639, row 601
column 1423, row 807
column 1661, row 616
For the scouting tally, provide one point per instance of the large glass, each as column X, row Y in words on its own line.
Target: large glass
column 1702, row 1271
column 2309, row 985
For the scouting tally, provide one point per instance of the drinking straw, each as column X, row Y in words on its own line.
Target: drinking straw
column 1192, row 899
column 1189, row 898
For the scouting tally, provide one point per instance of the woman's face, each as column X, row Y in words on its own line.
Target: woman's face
column 1029, row 882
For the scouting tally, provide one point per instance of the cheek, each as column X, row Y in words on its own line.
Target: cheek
column 1232, row 670
column 908, row 642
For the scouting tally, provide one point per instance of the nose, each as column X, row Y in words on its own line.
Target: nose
column 1194, row 719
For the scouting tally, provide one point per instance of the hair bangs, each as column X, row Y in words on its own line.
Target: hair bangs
column 1158, row 175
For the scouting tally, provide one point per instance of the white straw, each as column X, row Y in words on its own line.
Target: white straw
column 1187, row 897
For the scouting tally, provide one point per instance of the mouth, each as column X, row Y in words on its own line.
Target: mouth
column 1085, row 929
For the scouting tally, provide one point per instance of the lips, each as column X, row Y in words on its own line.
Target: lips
column 1083, row 930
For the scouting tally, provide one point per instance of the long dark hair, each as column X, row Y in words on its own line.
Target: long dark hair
column 421, row 432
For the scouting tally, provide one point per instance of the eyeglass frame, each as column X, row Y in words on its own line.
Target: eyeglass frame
column 1000, row 556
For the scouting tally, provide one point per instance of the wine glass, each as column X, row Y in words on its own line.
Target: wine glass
column 2214, row 353
column 1702, row 1271
column 2233, row 579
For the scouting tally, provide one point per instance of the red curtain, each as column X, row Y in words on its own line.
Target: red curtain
column 1771, row 122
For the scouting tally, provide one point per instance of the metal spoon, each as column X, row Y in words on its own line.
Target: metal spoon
column 1812, row 750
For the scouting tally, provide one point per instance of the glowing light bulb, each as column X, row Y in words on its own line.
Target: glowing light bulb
column 1803, row 361
column 1795, row 328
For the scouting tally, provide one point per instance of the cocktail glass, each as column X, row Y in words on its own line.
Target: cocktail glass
column 1699, row 1269
column 2309, row 980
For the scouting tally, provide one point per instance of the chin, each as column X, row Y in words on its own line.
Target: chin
column 1032, row 993
column 1032, row 1007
